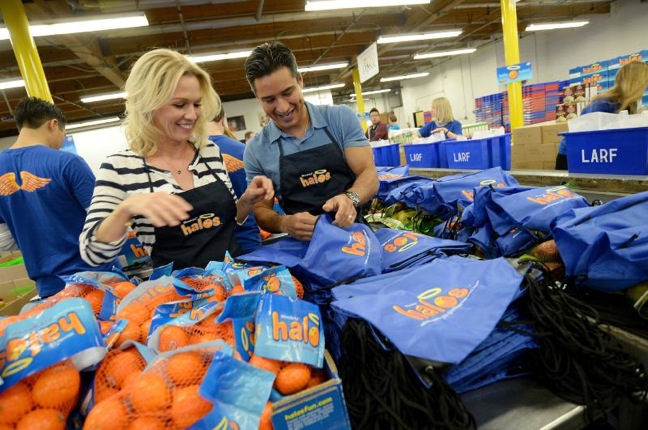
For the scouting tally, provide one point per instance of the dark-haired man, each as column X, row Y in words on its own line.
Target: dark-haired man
column 44, row 194
column 317, row 156
column 378, row 129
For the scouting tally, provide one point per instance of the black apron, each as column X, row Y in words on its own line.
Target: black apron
column 206, row 235
column 309, row 178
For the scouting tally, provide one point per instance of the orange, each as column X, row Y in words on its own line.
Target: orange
column 185, row 368
column 6, row 427
column 111, row 414
column 149, row 393
column 104, row 392
column 136, row 312
column 132, row 331
column 145, row 328
column 121, row 289
column 14, row 403
column 57, row 387
column 299, row 288
column 122, row 366
column 317, row 377
column 237, row 289
column 268, row 364
column 147, row 423
column 202, row 337
column 42, row 419
column 188, row 406
column 220, row 293
column 173, row 337
column 265, row 421
column 293, row 378
column 95, row 297
column 105, row 326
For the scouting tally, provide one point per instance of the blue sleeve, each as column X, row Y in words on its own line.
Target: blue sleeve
column 250, row 162
column 562, row 148
column 80, row 180
column 426, row 130
column 455, row 127
column 601, row 105
column 352, row 133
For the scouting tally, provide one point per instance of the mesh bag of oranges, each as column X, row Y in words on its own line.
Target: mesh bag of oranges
column 40, row 358
column 117, row 369
column 164, row 396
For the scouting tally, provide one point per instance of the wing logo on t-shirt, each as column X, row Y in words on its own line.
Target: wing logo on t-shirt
column 232, row 163
column 30, row 183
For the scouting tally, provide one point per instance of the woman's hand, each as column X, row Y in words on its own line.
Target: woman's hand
column 162, row 209
column 260, row 189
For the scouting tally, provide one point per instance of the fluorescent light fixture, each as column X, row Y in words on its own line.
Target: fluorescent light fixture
column 320, row 67
column 83, row 25
column 92, row 123
column 5, row 85
column 218, row 57
column 322, row 88
column 402, row 77
column 373, row 92
column 555, row 25
column 102, row 97
column 444, row 53
column 315, row 5
column 415, row 37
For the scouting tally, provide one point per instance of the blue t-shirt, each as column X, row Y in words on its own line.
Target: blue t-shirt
column 393, row 127
column 262, row 152
column 44, row 194
column 247, row 235
column 453, row 126
column 599, row 105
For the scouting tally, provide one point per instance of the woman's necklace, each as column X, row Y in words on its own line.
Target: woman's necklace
column 185, row 162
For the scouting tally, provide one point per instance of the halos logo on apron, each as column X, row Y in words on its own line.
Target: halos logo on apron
column 316, row 177
column 201, row 222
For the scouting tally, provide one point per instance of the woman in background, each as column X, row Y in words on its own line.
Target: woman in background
column 393, row 123
column 442, row 120
column 629, row 86
column 171, row 186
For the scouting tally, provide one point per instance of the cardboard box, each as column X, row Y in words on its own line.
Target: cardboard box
column 526, row 165
column 529, row 135
column 319, row 407
column 550, row 132
column 16, row 289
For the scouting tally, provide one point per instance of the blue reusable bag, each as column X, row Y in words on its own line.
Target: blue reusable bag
column 440, row 311
column 333, row 254
column 606, row 247
column 395, row 190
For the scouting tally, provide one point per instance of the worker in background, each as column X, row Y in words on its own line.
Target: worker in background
column 247, row 234
column 249, row 136
column 377, row 130
column 630, row 84
column 44, row 195
column 393, row 123
column 442, row 120
column 317, row 156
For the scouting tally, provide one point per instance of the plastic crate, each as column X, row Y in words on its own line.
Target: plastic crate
column 480, row 153
column 618, row 152
column 387, row 155
column 422, row 155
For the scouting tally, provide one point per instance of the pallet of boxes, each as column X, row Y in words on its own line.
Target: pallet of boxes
column 535, row 146
column 16, row 289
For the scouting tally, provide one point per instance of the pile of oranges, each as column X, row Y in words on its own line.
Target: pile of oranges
column 41, row 401
column 207, row 330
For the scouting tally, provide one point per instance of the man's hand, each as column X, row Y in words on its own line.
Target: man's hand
column 300, row 225
column 345, row 211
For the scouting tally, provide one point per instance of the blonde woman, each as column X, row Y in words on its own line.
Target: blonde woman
column 629, row 86
column 171, row 185
column 442, row 120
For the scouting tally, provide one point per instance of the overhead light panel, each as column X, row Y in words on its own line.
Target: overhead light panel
column 320, row 67
column 218, row 57
column 316, row 5
column 415, row 37
column 102, row 97
column 402, row 77
column 92, row 123
column 85, row 25
column 444, row 53
column 373, row 92
column 555, row 25
column 5, row 85
column 322, row 88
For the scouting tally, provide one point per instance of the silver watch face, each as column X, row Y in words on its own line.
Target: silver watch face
column 354, row 197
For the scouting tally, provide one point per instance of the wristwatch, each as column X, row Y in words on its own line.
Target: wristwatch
column 354, row 197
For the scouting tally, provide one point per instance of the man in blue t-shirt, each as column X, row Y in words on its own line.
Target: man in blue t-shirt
column 247, row 234
column 44, row 194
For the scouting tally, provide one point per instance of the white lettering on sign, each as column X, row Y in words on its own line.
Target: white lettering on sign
column 461, row 156
column 416, row 157
column 602, row 155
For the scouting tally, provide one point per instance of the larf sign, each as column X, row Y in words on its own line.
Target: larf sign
column 368, row 62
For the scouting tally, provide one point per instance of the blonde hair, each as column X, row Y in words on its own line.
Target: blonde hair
column 443, row 110
column 629, row 86
column 150, row 84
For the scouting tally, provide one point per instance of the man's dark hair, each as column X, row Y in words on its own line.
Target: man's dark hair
column 268, row 58
column 33, row 112
column 374, row 110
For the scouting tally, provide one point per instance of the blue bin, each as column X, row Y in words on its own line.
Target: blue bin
column 388, row 155
column 617, row 152
column 480, row 153
column 422, row 155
